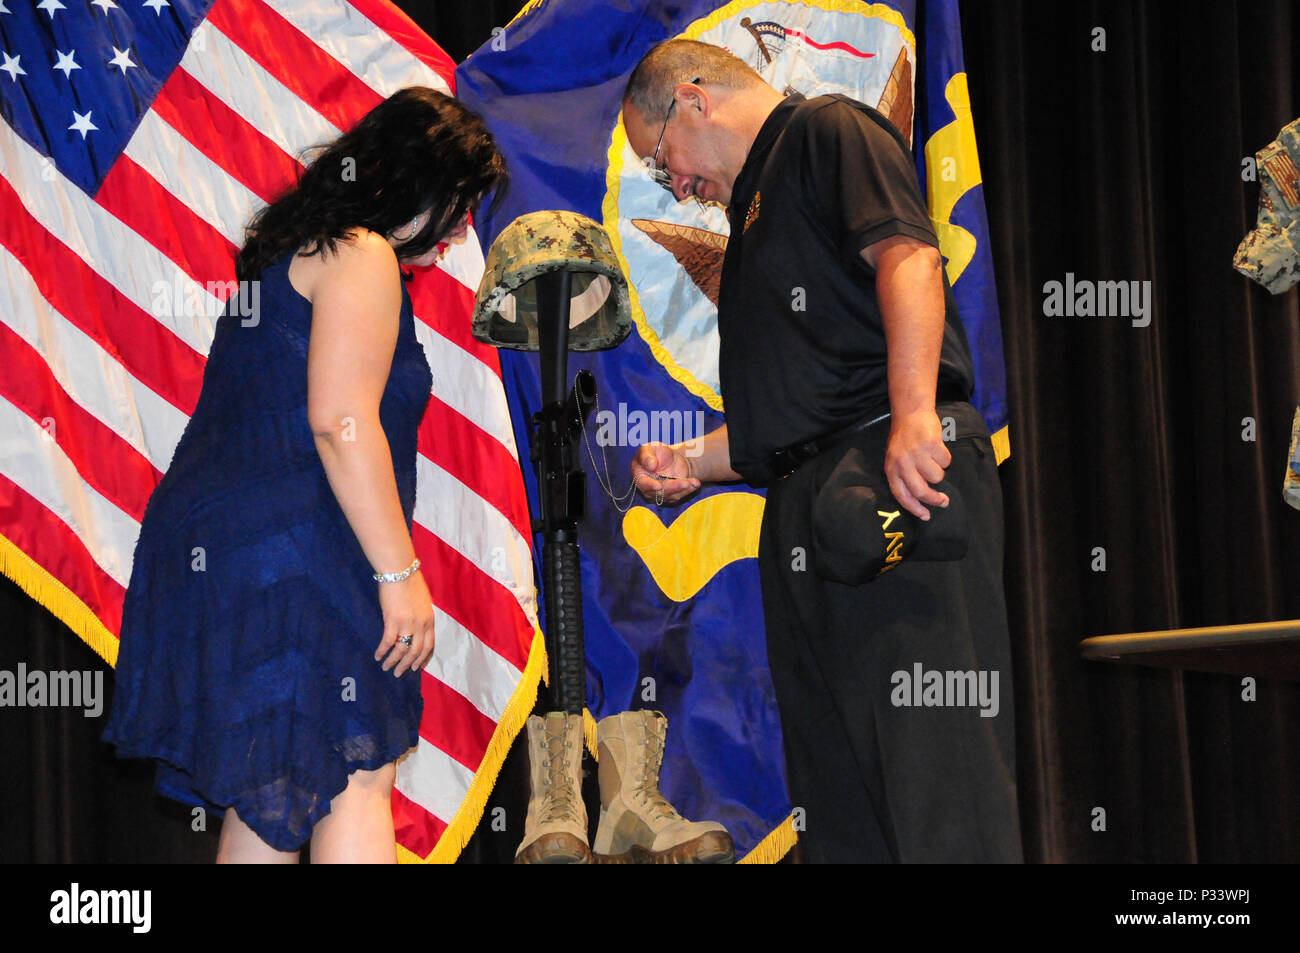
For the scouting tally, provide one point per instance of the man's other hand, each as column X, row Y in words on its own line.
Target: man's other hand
column 916, row 458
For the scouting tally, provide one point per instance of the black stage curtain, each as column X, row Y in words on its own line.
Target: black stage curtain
column 1117, row 165
column 1127, row 165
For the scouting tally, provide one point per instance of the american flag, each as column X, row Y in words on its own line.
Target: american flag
column 139, row 137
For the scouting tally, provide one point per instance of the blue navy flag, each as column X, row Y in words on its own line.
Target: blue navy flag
column 673, row 608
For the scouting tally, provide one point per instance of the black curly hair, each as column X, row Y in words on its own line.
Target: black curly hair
column 419, row 150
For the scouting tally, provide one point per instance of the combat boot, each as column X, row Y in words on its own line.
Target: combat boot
column 555, row 830
column 637, row 824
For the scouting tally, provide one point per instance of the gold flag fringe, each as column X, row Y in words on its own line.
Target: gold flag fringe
column 61, row 601
column 774, row 846
column 1002, row 444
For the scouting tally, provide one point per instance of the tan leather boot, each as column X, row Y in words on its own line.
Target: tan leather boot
column 637, row 824
column 555, row 831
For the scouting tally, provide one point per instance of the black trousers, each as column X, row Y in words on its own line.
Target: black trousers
column 873, row 775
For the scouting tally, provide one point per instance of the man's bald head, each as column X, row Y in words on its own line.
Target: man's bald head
column 721, row 105
column 672, row 62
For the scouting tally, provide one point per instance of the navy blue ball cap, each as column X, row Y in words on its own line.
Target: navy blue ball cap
column 861, row 531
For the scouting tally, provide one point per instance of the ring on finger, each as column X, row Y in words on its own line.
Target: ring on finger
column 406, row 640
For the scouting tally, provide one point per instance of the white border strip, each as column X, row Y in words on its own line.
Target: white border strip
column 122, row 256
column 346, row 34
column 474, row 528
column 256, row 95
column 463, row 382
column 88, row 374
column 34, row 461
column 434, row 780
column 208, row 190
column 466, row 665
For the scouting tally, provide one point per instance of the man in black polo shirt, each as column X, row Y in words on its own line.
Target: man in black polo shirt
column 843, row 367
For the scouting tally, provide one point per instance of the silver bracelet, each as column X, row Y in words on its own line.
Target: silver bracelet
column 397, row 576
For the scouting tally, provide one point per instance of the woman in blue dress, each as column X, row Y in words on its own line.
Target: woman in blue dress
column 277, row 620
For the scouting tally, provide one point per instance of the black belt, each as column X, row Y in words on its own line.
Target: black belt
column 788, row 459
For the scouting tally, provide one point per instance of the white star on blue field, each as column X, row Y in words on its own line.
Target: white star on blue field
column 76, row 77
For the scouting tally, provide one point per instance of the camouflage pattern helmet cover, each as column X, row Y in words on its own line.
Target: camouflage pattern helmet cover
column 505, row 309
column 1270, row 255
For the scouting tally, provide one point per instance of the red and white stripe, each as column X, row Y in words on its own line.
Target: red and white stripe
column 99, row 380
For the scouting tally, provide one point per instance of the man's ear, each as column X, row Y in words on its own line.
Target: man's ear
column 694, row 98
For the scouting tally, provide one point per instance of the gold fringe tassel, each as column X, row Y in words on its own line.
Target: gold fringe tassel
column 774, row 846
column 589, row 733
column 61, row 601
column 1002, row 444
column 529, row 7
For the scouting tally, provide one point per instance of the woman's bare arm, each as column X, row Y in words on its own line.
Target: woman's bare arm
column 356, row 301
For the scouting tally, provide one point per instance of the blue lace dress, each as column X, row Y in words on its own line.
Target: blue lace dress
column 246, row 666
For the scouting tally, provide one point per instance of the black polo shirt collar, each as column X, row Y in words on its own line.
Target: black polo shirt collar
column 767, row 135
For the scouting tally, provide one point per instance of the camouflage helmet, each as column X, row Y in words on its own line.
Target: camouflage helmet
column 1270, row 255
column 505, row 308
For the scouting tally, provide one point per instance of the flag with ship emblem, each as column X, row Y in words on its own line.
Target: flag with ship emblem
column 672, row 603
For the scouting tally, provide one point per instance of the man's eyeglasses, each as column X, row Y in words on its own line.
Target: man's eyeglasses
column 659, row 175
